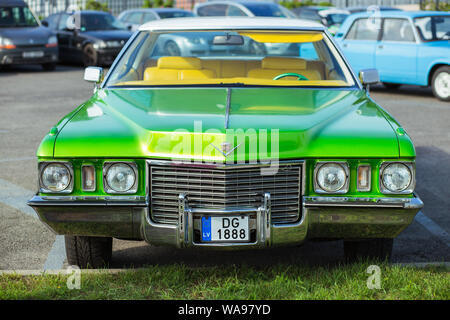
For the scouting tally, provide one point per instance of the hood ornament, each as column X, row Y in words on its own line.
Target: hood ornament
column 225, row 148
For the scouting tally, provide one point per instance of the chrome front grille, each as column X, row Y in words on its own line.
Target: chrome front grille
column 234, row 186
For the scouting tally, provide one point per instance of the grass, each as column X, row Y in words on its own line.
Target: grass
column 237, row 282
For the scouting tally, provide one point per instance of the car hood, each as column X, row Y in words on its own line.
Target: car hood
column 107, row 35
column 24, row 36
column 187, row 123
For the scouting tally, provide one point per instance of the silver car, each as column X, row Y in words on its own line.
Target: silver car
column 172, row 45
column 133, row 18
column 244, row 8
column 250, row 8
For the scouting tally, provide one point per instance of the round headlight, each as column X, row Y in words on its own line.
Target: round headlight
column 396, row 177
column 55, row 177
column 120, row 177
column 331, row 177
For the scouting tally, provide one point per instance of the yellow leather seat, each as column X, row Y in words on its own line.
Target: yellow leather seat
column 178, row 68
column 274, row 66
column 319, row 66
column 230, row 68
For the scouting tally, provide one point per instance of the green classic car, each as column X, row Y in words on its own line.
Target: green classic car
column 229, row 148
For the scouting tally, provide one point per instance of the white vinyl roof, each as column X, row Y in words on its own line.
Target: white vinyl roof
column 220, row 23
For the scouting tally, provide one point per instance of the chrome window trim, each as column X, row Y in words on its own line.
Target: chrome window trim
column 344, row 36
column 411, row 24
column 43, row 164
column 346, row 168
column 410, row 189
column 108, row 189
column 338, row 49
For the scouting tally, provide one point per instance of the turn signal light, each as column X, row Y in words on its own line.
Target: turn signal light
column 364, row 175
column 8, row 47
column 88, row 177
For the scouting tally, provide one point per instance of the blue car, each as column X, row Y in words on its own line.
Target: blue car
column 406, row 47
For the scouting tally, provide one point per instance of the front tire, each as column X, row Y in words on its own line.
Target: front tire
column 88, row 252
column 391, row 86
column 440, row 83
column 373, row 249
column 90, row 56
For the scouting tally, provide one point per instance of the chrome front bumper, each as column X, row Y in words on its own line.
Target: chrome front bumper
column 322, row 218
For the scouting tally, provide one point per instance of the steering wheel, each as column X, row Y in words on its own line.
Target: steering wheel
column 290, row 74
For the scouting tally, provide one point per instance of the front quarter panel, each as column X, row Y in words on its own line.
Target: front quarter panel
column 429, row 56
column 46, row 148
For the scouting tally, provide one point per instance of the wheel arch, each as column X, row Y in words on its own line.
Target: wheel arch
column 85, row 43
column 433, row 70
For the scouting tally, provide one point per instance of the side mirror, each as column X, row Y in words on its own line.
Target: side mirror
column 93, row 74
column 369, row 76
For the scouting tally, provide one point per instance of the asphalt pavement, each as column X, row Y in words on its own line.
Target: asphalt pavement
column 32, row 101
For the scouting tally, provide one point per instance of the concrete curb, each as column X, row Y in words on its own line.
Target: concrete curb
column 115, row 271
column 63, row 272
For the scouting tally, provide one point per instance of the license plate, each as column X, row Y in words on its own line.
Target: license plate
column 33, row 54
column 226, row 229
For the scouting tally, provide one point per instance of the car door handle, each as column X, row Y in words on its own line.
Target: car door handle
column 380, row 46
column 345, row 45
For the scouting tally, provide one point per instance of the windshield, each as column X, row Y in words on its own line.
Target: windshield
column 247, row 57
column 17, row 17
column 336, row 18
column 265, row 10
column 93, row 22
column 175, row 14
column 433, row 28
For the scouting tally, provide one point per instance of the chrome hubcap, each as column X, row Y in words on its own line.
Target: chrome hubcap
column 442, row 84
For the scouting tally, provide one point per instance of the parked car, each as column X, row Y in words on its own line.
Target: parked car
column 88, row 37
column 405, row 47
column 133, row 18
column 244, row 8
column 358, row 9
column 249, row 8
column 23, row 40
column 330, row 17
column 232, row 151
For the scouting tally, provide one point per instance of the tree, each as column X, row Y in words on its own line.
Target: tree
column 158, row 3
column 96, row 5
column 147, row 4
column 168, row 4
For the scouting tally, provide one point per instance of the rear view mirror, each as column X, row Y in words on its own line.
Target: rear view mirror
column 369, row 76
column 93, row 74
column 228, row 40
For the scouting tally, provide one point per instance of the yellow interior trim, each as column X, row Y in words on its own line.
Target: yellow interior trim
column 245, row 81
column 283, row 37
